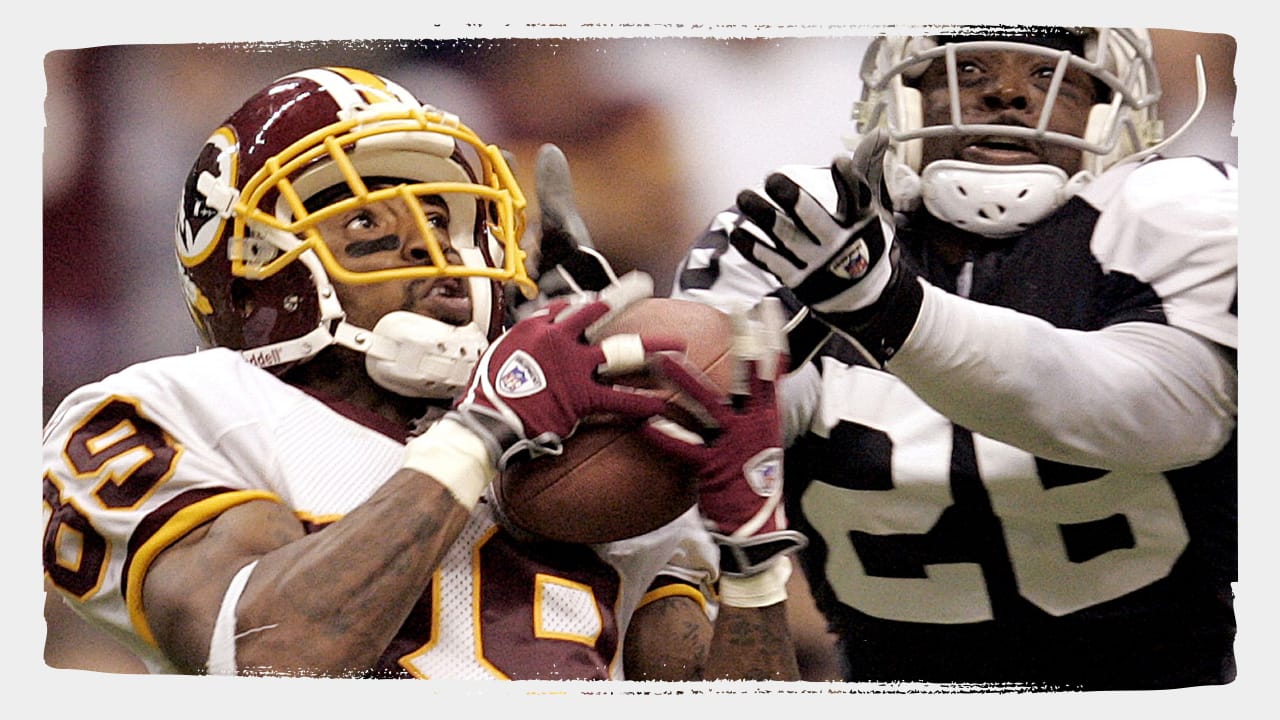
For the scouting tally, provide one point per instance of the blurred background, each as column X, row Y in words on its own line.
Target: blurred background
column 660, row 134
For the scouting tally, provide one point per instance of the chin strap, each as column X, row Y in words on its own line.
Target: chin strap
column 949, row 189
column 409, row 354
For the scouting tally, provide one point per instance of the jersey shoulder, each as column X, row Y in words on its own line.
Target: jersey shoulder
column 126, row 468
column 1173, row 224
column 1185, row 189
column 179, row 382
column 139, row 459
column 715, row 273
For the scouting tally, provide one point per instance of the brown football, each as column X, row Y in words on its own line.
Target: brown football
column 610, row 483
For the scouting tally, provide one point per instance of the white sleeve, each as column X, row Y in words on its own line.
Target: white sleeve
column 682, row 548
column 1138, row 395
column 716, row 274
column 798, row 393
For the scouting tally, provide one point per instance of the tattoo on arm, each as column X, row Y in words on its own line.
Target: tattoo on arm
column 668, row 641
column 752, row 644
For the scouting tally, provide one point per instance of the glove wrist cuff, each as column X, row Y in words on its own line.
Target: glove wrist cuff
column 497, row 434
column 883, row 327
column 455, row 456
column 759, row 590
column 746, row 557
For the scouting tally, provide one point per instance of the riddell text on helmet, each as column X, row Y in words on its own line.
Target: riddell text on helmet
column 264, row 358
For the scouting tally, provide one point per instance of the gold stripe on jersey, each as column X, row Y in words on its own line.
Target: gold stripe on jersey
column 406, row 661
column 314, row 521
column 176, row 528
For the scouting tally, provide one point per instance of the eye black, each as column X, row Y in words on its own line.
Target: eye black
column 361, row 248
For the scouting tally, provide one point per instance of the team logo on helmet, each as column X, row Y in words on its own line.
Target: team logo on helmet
column 199, row 223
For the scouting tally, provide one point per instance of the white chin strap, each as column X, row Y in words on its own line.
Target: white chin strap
column 989, row 200
column 417, row 356
column 409, row 354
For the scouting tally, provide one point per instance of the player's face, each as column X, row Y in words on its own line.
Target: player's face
column 384, row 235
column 1000, row 87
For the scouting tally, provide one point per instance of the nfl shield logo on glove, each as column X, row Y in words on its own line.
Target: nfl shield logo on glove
column 764, row 472
column 854, row 262
column 520, row 376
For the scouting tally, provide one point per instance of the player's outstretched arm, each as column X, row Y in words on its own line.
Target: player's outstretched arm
column 984, row 366
column 568, row 263
column 842, row 264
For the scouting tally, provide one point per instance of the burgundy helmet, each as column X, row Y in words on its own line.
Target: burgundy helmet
column 246, row 225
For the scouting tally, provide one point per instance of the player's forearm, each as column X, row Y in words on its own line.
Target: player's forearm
column 752, row 644
column 667, row 640
column 1140, row 396
column 330, row 603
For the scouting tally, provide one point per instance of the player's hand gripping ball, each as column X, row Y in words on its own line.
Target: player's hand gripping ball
column 611, row 482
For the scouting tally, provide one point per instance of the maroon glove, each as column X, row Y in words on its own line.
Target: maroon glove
column 534, row 384
column 739, row 465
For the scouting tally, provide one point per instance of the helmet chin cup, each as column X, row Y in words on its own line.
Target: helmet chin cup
column 417, row 356
column 994, row 200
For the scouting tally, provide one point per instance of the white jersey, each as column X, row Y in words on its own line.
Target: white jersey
column 134, row 462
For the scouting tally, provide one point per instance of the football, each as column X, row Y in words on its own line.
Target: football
column 610, row 483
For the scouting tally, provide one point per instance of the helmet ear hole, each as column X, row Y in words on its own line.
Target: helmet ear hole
column 242, row 297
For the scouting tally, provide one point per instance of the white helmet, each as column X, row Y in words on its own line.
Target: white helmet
column 1002, row 200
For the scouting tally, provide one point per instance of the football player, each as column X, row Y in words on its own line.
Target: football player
column 307, row 495
column 1011, row 422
